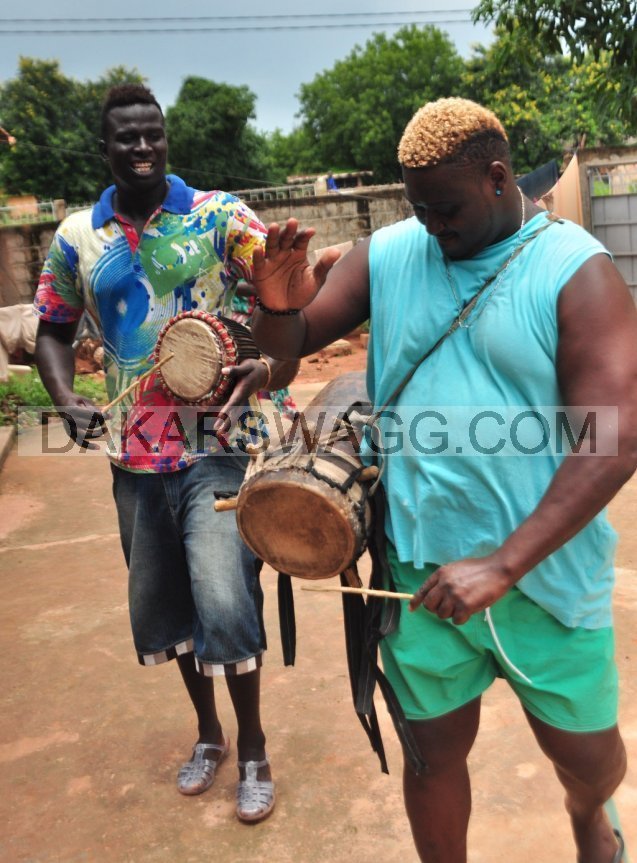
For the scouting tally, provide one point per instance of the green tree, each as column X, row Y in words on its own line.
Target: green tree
column 289, row 154
column 604, row 29
column 546, row 102
column 355, row 113
column 55, row 121
column 211, row 143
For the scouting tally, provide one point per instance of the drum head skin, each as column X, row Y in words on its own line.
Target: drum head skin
column 195, row 369
column 298, row 529
column 200, row 345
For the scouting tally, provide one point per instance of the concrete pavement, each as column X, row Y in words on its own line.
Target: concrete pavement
column 91, row 742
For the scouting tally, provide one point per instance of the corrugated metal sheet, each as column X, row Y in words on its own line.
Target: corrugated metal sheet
column 614, row 223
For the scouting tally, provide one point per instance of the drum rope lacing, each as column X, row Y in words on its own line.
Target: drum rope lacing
column 296, row 453
column 232, row 343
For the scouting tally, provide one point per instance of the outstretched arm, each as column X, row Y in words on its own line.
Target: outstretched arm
column 326, row 301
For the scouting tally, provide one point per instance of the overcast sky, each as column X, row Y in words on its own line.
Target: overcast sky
column 272, row 48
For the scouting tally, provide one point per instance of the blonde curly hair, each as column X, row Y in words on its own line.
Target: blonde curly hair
column 452, row 130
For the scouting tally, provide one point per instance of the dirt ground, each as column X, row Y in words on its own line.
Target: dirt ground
column 318, row 367
column 90, row 742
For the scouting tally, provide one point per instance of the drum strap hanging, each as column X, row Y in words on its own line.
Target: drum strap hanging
column 358, row 660
column 381, row 618
column 287, row 619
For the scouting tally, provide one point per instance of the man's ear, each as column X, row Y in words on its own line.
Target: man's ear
column 497, row 175
column 102, row 147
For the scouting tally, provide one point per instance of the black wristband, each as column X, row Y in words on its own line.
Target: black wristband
column 276, row 312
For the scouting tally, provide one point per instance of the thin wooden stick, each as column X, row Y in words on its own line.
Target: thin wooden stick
column 136, row 383
column 364, row 591
column 225, row 504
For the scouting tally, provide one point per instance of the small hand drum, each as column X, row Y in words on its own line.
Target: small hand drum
column 304, row 508
column 306, row 515
column 202, row 345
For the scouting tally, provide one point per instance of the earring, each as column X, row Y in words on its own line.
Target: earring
column 498, row 192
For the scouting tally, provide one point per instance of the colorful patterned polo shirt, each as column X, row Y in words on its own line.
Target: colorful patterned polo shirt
column 189, row 257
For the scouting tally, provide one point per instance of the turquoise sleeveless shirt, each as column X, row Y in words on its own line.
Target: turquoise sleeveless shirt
column 462, row 501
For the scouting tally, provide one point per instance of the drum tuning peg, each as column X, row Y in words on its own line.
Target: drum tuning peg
column 225, row 504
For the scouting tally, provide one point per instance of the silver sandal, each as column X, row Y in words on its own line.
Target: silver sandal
column 255, row 797
column 197, row 775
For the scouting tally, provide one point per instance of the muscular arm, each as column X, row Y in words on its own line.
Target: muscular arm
column 596, row 365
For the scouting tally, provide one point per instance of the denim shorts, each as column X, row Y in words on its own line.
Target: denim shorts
column 564, row 676
column 193, row 584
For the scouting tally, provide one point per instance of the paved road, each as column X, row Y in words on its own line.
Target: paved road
column 91, row 742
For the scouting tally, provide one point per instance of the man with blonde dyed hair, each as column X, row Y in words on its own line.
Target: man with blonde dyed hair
column 485, row 310
column 455, row 131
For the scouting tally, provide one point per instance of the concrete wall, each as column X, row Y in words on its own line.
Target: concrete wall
column 23, row 249
column 339, row 216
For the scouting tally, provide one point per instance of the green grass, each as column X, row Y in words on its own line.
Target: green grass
column 600, row 189
column 22, row 391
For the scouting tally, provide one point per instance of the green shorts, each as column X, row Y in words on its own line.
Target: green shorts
column 435, row 666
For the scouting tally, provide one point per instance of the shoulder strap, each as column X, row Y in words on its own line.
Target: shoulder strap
column 460, row 319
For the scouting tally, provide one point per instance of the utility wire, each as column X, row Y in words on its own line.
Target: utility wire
column 246, row 28
column 263, row 17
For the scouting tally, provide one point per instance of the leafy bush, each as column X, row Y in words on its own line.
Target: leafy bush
column 28, row 391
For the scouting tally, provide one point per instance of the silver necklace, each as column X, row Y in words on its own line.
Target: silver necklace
column 471, row 319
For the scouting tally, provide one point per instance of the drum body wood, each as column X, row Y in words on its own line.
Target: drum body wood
column 306, row 513
column 202, row 344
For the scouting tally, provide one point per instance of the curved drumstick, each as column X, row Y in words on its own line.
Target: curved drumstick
column 136, row 383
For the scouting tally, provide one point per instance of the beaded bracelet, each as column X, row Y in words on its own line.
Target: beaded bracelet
column 275, row 312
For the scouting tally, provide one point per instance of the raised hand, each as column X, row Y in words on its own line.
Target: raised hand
column 283, row 278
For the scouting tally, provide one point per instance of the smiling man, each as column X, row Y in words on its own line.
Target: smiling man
column 483, row 303
column 149, row 249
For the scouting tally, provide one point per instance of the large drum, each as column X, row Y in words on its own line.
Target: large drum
column 303, row 507
column 201, row 344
